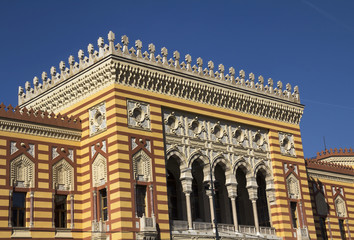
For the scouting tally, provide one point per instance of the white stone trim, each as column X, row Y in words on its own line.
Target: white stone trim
column 39, row 130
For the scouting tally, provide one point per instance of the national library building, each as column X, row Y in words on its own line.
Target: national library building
column 123, row 143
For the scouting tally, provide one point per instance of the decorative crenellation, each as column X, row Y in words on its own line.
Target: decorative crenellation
column 138, row 114
column 191, row 82
column 335, row 152
column 329, row 166
column 38, row 116
column 287, row 146
column 192, row 135
column 211, row 72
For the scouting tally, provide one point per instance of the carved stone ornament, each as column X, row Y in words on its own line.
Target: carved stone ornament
column 218, row 131
column 287, row 146
column 292, row 184
column 138, row 114
column 97, row 118
column 22, row 172
column 142, row 167
column 172, row 122
column 63, row 176
column 239, row 135
column 340, row 207
column 196, row 127
column 99, row 171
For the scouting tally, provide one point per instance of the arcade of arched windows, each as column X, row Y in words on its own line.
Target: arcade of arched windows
column 202, row 190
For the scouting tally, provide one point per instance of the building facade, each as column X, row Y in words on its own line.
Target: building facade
column 126, row 144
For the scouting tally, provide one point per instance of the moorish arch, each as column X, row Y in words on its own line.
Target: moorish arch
column 200, row 166
column 225, row 187
column 176, row 198
column 243, row 203
column 264, row 190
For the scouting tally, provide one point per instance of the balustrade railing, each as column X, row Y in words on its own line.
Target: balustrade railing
column 267, row 230
column 226, row 227
column 202, row 226
column 247, row 229
column 178, row 225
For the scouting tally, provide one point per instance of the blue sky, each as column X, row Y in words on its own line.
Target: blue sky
column 306, row 43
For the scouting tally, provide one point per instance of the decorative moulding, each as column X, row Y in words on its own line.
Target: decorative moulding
column 97, row 119
column 138, row 114
column 287, row 146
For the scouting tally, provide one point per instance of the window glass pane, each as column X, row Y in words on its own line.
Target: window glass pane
column 60, row 211
column 19, row 199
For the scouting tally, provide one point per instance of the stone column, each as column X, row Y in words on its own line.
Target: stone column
column 10, row 209
column 152, row 200
column 232, row 192
column 186, row 181
column 253, row 195
column 72, row 211
column 211, row 204
column 255, row 214
column 31, row 208
column 94, row 193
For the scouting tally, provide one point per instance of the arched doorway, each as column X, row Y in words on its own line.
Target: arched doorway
column 244, row 204
column 262, row 203
column 222, row 201
column 176, row 199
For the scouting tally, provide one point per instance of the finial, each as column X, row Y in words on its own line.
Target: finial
column 125, row 41
column 139, row 46
column 71, row 60
column 44, row 77
column 176, row 56
column 188, row 59
column 232, row 74
column 35, row 81
column 81, row 55
column 242, row 76
column 111, row 38
column 164, row 53
column 270, row 85
column 20, row 91
column 53, row 73
column 100, row 42
column 211, row 68
column 279, row 85
column 288, row 87
column 62, row 68
column 90, row 50
column 260, row 84
column 28, row 86
column 151, row 49
column 251, row 78
column 200, row 65
column 221, row 70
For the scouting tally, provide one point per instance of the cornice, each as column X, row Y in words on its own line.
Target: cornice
column 315, row 173
column 39, row 130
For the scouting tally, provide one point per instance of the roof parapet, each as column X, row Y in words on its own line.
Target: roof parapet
column 38, row 116
column 29, row 92
column 329, row 166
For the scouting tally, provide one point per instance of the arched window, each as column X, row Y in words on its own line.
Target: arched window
column 200, row 207
column 262, row 204
column 176, row 199
column 244, row 204
column 222, row 201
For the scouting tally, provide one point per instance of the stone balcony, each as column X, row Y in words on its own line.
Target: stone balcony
column 204, row 230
